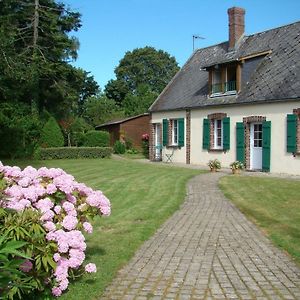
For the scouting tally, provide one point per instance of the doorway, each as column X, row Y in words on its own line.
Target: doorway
column 256, row 146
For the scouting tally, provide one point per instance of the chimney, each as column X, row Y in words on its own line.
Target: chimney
column 236, row 25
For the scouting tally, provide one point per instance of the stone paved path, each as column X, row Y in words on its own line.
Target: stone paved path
column 207, row 250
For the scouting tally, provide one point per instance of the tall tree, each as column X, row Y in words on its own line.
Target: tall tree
column 35, row 51
column 142, row 66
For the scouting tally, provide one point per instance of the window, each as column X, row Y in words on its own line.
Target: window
column 257, row 137
column 174, row 132
column 223, row 80
column 218, row 134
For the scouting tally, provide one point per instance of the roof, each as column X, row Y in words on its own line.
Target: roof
column 115, row 122
column 274, row 76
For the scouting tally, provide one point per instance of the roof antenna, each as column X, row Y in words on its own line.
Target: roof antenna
column 196, row 36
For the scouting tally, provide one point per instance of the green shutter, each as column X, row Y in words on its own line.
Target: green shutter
column 206, row 134
column 291, row 145
column 266, row 146
column 226, row 133
column 240, row 142
column 181, row 132
column 165, row 132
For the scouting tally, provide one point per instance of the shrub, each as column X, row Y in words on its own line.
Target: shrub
column 47, row 210
column 73, row 152
column 94, row 138
column 119, row 148
column 51, row 135
column 214, row 165
column 145, row 144
column 237, row 165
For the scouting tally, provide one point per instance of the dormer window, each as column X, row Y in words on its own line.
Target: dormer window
column 223, row 80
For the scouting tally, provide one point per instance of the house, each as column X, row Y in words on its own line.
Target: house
column 129, row 129
column 237, row 100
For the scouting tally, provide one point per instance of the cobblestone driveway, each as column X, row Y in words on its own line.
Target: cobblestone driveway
column 207, row 250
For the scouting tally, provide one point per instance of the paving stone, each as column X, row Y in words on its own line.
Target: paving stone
column 207, row 250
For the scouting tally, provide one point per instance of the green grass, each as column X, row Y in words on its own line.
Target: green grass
column 272, row 203
column 143, row 196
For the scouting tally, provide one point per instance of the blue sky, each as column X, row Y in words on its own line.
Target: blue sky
column 112, row 27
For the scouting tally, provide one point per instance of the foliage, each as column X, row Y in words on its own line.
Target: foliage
column 142, row 66
column 48, row 210
column 100, row 109
column 51, row 135
column 119, row 147
column 272, row 203
column 73, row 152
column 237, row 165
column 214, row 165
column 19, row 130
column 132, row 151
column 36, row 48
column 96, row 138
column 145, row 144
column 139, row 102
column 10, row 261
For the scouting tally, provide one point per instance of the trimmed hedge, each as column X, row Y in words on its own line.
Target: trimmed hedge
column 73, row 152
column 94, row 138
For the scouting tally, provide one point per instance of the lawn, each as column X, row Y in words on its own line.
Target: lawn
column 143, row 196
column 272, row 203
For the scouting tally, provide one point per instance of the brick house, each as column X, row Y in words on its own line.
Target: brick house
column 130, row 129
column 237, row 100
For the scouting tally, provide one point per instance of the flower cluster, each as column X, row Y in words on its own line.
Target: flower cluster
column 145, row 137
column 64, row 205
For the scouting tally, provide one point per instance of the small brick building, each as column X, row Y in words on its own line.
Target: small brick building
column 130, row 129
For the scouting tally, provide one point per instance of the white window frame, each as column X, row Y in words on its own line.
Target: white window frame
column 216, row 146
column 175, row 132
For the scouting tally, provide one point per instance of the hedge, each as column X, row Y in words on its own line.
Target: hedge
column 94, row 138
column 73, row 152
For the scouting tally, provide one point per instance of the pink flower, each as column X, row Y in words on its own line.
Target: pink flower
column 44, row 205
column 87, row 227
column 57, row 209
column 63, row 285
column 56, row 291
column 51, row 188
column 50, row 226
column 69, row 222
column 47, row 216
column 24, row 182
column 26, row 266
column 67, row 206
column 56, row 257
column 105, row 210
column 91, row 268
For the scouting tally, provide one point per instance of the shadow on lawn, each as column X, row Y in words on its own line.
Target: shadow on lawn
column 93, row 250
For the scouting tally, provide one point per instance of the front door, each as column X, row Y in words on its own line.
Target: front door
column 158, row 146
column 256, row 146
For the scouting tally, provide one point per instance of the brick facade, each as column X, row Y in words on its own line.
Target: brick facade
column 212, row 118
column 247, row 121
column 152, row 142
column 296, row 111
column 188, row 137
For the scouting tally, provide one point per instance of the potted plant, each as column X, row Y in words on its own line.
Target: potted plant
column 236, row 167
column 214, row 165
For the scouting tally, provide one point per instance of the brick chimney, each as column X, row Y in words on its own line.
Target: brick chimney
column 236, row 25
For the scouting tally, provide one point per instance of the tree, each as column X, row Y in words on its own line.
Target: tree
column 142, row 66
column 140, row 101
column 51, row 135
column 100, row 109
column 35, row 51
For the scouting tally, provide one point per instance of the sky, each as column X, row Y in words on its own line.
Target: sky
column 110, row 28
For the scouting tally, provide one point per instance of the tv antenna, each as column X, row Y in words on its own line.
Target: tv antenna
column 196, row 36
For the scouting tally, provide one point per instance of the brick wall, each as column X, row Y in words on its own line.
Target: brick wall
column 188, row 136
column 135, row 128
column 152, row 142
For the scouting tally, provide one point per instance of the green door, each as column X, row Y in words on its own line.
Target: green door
column 240, row 142
column 266, row 146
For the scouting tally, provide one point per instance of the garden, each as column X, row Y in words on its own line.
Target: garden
column 141, row 196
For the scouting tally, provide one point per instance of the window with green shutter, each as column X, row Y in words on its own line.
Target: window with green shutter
column 181, row 132
column 291, row 143
column 165, row 136
column 266, row 145
column 206, row 134
column 226, row 133
column 240, row 142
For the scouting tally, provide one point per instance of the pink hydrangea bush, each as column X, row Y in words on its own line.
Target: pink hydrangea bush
column 66, row 208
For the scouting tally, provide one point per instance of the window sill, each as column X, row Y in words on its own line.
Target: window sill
column 216, row 150
column 216, row 95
